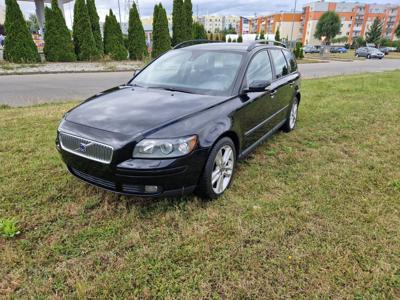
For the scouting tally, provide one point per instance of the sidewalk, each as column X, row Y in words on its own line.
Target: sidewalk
column 75, row 67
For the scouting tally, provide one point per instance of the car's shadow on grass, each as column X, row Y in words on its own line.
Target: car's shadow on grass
column 145, row 207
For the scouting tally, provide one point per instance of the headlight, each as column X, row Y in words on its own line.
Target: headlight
column 165, row 148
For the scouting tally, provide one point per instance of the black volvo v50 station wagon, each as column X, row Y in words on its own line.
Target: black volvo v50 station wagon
column 181, row 123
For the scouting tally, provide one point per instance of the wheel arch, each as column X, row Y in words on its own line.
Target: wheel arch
column 233, row 136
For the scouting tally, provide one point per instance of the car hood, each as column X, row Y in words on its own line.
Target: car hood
column 132, row 110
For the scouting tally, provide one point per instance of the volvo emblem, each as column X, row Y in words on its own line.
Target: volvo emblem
column 83, row 147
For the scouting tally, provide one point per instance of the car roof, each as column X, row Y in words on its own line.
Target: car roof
column 241, row 47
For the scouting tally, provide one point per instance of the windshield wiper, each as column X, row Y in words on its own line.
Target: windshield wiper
column 171, row 89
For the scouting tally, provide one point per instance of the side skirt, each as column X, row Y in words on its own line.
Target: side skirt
column 261, row 140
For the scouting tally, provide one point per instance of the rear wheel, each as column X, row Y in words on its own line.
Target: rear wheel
column 357, row 55
column 369, row 56
column 290, row 123
column 219, row 169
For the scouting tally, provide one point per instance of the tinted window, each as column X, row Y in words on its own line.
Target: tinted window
column 291, row 60
column 198, row 71
column 279, row 60
column 259, row 68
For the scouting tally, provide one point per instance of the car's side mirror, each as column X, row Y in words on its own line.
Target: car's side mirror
column 257, row 86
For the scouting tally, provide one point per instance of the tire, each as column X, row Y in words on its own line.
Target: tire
column 207, row 188
column 357, row 55
column 368, row 56
column 291, row 121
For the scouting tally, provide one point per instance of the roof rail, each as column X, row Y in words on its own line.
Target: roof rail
column 259, row 42
column 194, row 42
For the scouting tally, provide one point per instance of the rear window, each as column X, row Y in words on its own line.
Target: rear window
column 291, row 60
column 281, row 68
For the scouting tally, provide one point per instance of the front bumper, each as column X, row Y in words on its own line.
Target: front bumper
column 139, row 177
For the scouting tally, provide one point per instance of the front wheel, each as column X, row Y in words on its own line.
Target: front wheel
column 368, row 56
column 290, row 123
column 219, row 169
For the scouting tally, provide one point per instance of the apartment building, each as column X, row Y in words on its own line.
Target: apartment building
column 218, row 23
column 356, row 18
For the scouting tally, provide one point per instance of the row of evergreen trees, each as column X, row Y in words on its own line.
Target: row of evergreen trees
column 87, row 43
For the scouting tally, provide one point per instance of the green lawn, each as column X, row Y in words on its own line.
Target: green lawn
column 311, row 214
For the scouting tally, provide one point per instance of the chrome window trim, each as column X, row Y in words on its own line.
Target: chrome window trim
column 82, row 154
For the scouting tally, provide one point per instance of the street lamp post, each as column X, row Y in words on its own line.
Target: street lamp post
column 291, row 34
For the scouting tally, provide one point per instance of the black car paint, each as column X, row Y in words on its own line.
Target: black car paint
column 121, row 117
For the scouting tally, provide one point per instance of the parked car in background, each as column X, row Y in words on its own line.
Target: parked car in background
column 310, row 49
column 392, row 49
column 182, row 122
column 369, row 53
column 338, row 50
column 384, row 50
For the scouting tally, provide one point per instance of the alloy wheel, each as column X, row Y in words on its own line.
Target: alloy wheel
column 293, row 115
column 222, row 172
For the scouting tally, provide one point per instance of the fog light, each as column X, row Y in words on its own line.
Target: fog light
column 151, row 189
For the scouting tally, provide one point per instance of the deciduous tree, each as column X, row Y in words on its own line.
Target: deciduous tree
column 328, row 26
column 19, row 46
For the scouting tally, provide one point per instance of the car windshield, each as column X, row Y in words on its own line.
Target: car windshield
column 192, row 71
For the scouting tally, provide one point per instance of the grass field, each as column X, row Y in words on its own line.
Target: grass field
column 311, row 214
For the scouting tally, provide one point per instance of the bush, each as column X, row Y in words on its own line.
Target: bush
column 58, row 43
column 113, row 38
column 19, row 46
column 199, row 33
column 298, row 51
column 240, row 39
column 9, row 228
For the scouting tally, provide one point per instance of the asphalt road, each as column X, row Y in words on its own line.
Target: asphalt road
column 20, row 90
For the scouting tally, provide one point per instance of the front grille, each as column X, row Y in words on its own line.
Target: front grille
column 94, row 180
column 86, row 148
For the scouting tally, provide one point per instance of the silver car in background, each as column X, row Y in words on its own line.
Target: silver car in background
column 369, row 52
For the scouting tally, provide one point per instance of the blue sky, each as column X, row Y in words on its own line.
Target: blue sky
column 220, row 7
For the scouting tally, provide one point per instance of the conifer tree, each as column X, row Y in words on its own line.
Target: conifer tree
column 178, row 22
column 374, row 33
column 58, row 44
column 188, row 20
column 199, row 32
column 278, row 35
column 113, row 38
column 262, row 36
column 136, row 37
column 95, row 23
column 85, row 45
column 240, row 39
column 161, row 38
column 19, row 46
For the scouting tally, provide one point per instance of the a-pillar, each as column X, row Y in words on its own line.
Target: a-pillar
column 40, row 13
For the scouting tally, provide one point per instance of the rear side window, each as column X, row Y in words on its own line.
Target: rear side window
column 291, row 60
column 281, row 68
column 259, row 68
